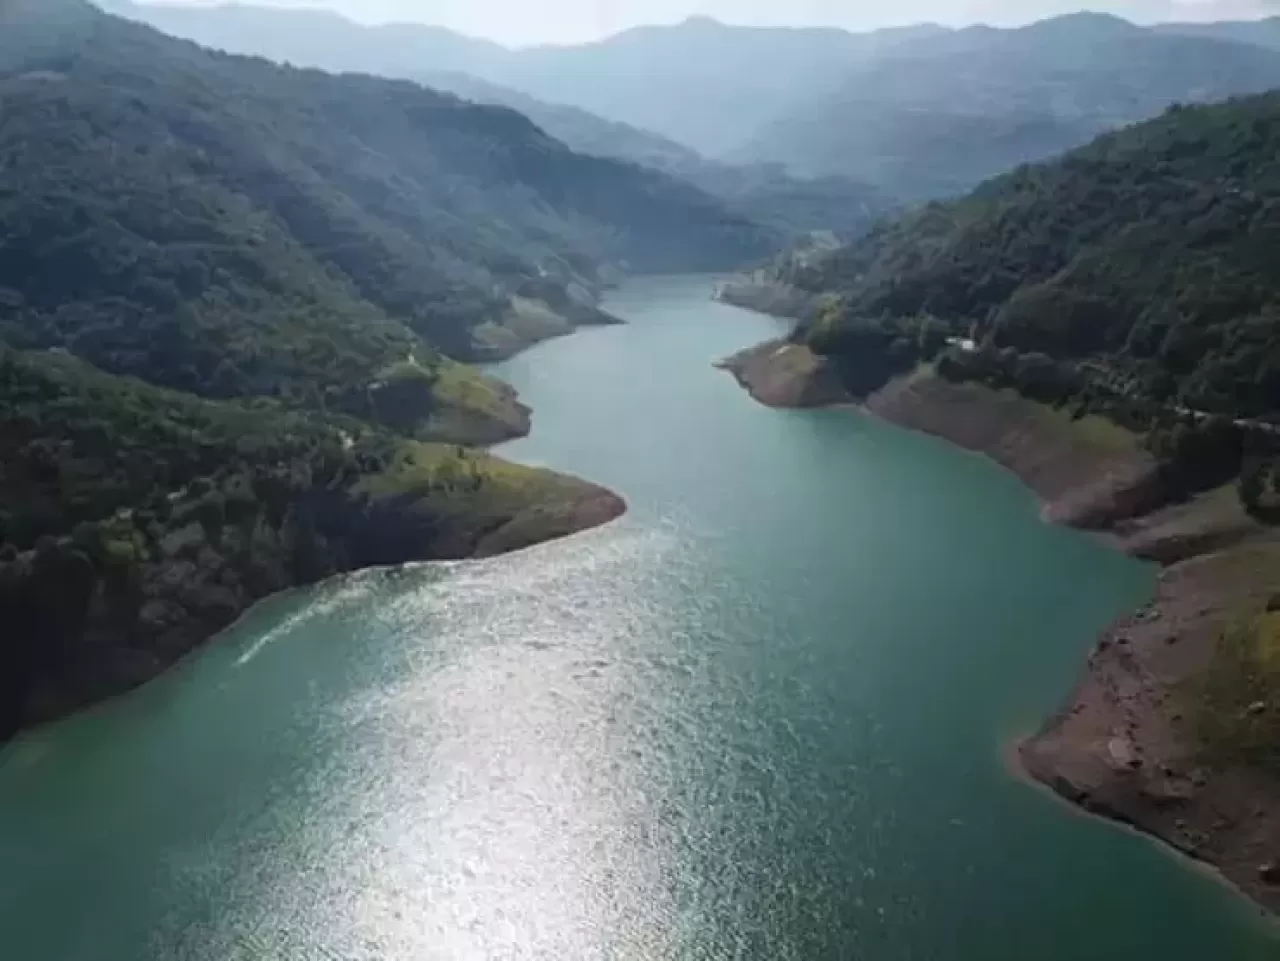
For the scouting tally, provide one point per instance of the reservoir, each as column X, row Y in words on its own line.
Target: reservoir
column 763, row 716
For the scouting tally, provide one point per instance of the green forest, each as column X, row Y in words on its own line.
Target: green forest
column 1138, row 276
column 230, row 227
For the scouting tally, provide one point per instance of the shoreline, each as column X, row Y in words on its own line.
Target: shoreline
column 191, row 585
column 1122, row 745
column 1011, row 759
column 617, row 510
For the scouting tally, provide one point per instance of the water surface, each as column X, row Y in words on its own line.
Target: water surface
column 760, row 717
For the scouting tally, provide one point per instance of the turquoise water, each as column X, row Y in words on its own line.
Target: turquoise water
column 762, row 716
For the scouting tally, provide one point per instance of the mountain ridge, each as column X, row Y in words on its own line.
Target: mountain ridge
column 697, row 110
column 998, row 98
column 762, row 193
column 389, row 219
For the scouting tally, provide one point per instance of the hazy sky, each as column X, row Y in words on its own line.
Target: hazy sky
column 521, row 22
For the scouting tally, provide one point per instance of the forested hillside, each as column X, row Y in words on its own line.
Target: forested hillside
column 701, row 82
column 937, row 116
column 1143, row 268
column 136, row 521
column 227, row 226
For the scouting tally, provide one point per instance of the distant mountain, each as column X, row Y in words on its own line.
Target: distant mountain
column 433, row 56
column 1263, row 33
column 938, row 115
column 580, row 129
column 310, row 37
column 792, row 105
column 763, row 192
column 703, row 83
column 329, row 42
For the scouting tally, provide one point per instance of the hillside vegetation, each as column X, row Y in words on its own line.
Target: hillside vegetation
column 1138, row 277
column 230, row 227
column 136, row 521
column 765, row 193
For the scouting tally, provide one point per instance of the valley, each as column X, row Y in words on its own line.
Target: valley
column 301, row 319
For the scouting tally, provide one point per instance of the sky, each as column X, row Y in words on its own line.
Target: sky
column 525, row 22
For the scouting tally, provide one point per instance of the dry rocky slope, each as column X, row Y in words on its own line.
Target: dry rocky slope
column 1126, row 743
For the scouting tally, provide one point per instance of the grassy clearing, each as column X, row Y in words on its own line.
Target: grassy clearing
column 446, row 476
column 457, row 385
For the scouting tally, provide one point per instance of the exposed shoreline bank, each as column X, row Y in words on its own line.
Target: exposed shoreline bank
column 195, row 587
column 1123, row 745
column 1011, row 756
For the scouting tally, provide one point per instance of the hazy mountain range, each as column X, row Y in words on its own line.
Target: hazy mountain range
column 987, row 100
column 872, row 108
column 474, row 70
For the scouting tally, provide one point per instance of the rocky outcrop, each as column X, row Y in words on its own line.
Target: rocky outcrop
column 780, row 373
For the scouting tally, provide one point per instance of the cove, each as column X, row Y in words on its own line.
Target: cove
column 762, row 716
